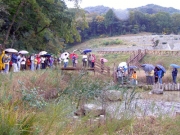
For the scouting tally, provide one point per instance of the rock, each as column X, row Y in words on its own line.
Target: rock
column 157, row 91
column 113, row 95
column 93, row 110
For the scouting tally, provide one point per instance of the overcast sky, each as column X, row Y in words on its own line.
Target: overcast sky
column 123, row 4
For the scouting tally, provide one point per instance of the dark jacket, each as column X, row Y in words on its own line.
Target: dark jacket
column 174, row 72
column 14, row 58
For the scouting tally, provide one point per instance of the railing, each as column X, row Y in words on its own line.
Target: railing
column 102, row 69
column 136, row 57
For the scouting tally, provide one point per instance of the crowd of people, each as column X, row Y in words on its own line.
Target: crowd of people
column 19, row 62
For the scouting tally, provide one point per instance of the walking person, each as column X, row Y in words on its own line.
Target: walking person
column 89, row 60
column 174, row 75
column 151, row 77
column 102, row 65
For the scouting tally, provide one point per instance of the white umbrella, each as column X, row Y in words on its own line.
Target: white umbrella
column 64, row 55
column 42, row 53
column 23, row 52
column 11, row 50
column 123, row 64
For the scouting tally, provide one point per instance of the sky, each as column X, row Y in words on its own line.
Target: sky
column 124, row 4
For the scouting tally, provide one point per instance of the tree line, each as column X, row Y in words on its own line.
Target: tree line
column 109, row 24
column 37, row 25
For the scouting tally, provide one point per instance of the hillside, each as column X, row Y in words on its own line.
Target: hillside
column 150, row 9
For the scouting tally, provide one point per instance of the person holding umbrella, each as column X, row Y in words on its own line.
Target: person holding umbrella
column 84, row 59
column 174, row 74
column 74, row 60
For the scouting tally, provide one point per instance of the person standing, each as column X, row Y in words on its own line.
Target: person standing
column 6, row 60
column 32, row 58
column 23, row 62
column 89, row 60
column 14, row 62
column 38, row 62
column 160, row 75
column 92, row 60
column 151, row 77
column 74, row 60
column 174, row 74
column 134, row 78
column 43, row 62
column 66, row 60
column 2, row 65
column 156, row 75
column 102, row 65
column 19, row 62
column 84, row 59
column 120, row 75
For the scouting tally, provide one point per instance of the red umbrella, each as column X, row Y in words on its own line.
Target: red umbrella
column 73, row 54
column 105, row 60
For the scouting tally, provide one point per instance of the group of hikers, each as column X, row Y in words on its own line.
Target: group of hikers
column 19, row 62
column 152, row 77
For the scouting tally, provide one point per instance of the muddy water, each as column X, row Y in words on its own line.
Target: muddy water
column 147, row 104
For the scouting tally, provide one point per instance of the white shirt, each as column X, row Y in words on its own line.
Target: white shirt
column 66, row 60
column 42, row 59
column 23, row 61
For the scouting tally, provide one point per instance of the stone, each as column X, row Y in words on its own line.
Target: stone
column 113, row 95
column 157, row 91
column 93, row 110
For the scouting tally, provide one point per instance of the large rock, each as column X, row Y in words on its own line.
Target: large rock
column 157, row 91
column 93, row 110
column 113, row 95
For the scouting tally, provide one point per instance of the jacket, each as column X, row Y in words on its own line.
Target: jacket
column 2, row 65
column 14, row 58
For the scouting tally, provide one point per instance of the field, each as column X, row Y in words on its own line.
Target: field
column 44, row 102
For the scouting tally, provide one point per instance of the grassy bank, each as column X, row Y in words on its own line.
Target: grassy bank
column 43, row 103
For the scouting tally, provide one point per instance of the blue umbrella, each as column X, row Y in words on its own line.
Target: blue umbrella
column 87, row 50
column 147, row 67
column 132, row 67
column 174, row 66
column 161, row 67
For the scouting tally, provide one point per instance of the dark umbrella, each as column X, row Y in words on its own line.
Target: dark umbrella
column 87, row 50
column 161, row 67
column 174, row 66
column 46, row 55
column 147, row 67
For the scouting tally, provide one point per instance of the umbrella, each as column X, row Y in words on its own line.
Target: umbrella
column 161, row 67
column 73, row 54
column 175, row 66
column 123, row 64
column 46, row 55
column 105, row 60
column 42, row 52
column 147, row 67
column 132, row 67
column 87, row 50
column 23, row 52
column 11, row 50
column 64, row 55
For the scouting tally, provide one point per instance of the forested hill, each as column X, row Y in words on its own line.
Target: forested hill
column 150, row 9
